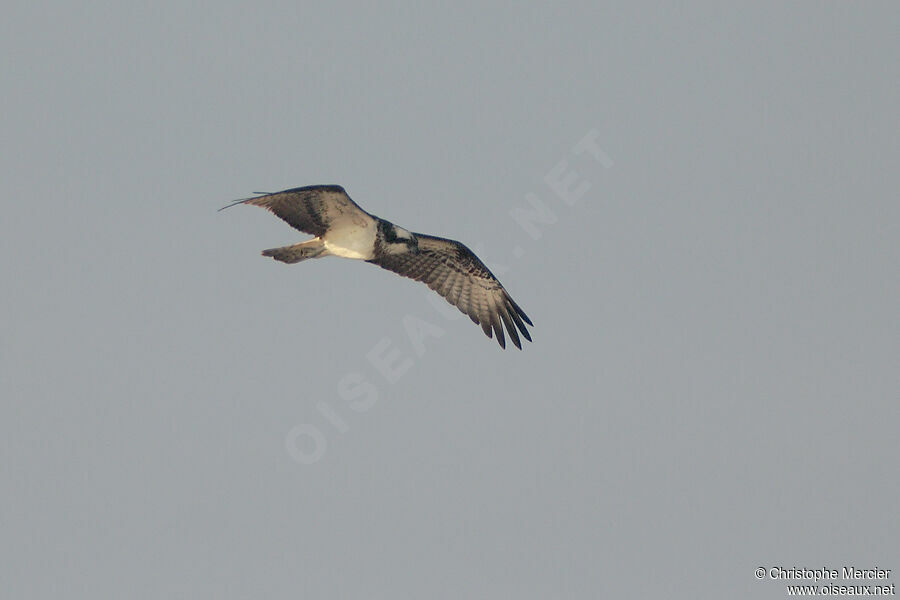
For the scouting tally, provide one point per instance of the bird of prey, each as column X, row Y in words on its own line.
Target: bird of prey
column 341, row 228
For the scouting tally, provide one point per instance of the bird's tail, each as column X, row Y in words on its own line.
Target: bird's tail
column 294, row 254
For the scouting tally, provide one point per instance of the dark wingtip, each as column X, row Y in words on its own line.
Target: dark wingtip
column 235, row 203
column 510, row 326
column 517, row 319
column 244, row 200
column 522, row 314
column 518, row 310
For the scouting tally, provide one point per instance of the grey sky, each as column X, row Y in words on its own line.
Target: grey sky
column 713, row 384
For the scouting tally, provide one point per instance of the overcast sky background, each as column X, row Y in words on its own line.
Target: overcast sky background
column 713, row 382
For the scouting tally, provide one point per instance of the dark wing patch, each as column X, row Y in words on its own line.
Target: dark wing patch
column 309, row 209
column 454, row 272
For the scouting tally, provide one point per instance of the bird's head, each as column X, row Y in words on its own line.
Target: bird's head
column 397, row 240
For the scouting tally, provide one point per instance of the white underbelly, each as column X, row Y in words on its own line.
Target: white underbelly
column 351, row 242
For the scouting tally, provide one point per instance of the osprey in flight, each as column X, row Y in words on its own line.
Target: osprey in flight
column 341, row 228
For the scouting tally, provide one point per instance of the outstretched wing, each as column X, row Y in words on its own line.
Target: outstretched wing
column 454, row 272
column 311, row 209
